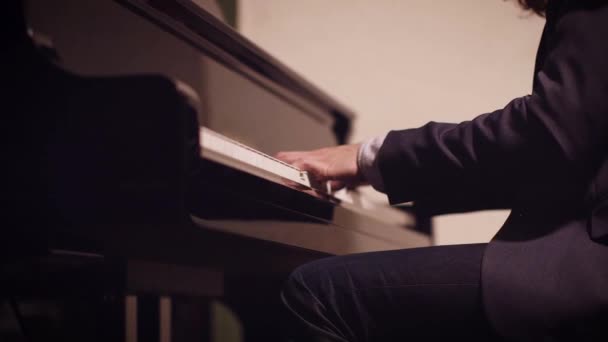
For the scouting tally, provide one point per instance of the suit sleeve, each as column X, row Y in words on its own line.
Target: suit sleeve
column 549, row 140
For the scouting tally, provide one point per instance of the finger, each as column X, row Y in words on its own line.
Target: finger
column 305, row 165
column 288, row 157
column 314, row 168
column 293, row 155
column 335, row 185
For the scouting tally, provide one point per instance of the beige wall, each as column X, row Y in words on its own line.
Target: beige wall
column 399, row 64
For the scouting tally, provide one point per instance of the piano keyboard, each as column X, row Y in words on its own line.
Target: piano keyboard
column 221, row 149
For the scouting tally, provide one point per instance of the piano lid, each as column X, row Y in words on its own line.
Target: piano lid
column 202, row 30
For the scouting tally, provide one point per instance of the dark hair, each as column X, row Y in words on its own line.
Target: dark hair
column 538, row 6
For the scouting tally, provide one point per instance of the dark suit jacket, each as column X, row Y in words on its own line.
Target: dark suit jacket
column 545, row 156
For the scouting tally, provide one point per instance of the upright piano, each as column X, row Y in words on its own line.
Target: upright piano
column 146, row 132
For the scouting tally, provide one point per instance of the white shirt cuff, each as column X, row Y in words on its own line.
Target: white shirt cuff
column 368, row 163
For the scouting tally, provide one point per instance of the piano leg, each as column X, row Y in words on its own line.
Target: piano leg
column 191, row 320
column 257, row 305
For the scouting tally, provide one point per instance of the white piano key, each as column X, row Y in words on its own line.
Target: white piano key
column 224, row 150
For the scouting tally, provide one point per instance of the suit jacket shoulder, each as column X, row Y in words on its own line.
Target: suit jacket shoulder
column 543, row 148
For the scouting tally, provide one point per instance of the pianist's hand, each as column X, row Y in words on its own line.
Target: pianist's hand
column 337, row 165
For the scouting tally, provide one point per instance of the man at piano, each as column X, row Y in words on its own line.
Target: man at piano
column 544, row 276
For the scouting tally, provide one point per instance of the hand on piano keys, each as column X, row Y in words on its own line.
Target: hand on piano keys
column 336, row 166
column 327, row 169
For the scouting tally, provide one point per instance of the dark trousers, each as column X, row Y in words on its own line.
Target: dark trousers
column 420, row 294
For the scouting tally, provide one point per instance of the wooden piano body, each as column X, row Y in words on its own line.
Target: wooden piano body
column 106, row 169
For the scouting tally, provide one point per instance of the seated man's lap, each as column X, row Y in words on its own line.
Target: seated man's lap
column 421, row 292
